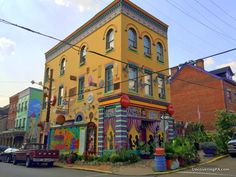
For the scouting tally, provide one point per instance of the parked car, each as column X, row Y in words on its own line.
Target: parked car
column 2, row 148
column 35, row 153
column 6, row 156
column 232, row 146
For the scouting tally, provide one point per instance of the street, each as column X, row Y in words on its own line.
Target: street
column 223, row 167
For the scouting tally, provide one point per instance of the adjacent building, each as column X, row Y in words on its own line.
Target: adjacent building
column 106, row 86
column 197, row 94
column 23, row 117
column 3, row 123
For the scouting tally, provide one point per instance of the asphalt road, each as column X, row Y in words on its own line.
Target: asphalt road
column 225, row 167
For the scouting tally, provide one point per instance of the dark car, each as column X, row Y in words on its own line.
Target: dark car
column 6, row 156
column 232, row 146
column 2, row 148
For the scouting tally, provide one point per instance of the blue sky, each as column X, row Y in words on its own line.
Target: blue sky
column 206, row 27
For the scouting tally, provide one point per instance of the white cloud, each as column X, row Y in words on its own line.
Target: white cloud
column 7, row 48
column 232, row 64
column 82, row 5
column 209, row 61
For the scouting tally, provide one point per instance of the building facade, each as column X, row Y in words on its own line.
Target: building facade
column 197, row 98
column 107, row 86
column 3, row 123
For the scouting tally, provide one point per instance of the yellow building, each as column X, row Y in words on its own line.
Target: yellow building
column 105, row 81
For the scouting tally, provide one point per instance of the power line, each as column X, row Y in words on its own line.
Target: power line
column 224, row 11
column 219, row 18
column 200, row 22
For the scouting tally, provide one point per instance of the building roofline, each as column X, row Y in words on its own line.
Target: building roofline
column 100, row 14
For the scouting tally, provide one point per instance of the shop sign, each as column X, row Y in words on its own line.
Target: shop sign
column 125, row 101
column 110, row 112
column 136, row 112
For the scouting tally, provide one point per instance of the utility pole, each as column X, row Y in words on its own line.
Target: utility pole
column 47, row 123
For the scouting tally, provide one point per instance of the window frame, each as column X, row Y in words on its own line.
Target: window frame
column 147, row 45
column 132, row 43
column 110, row 39
column 47, row 75
column 135, row 80
column 81, row 88
column 109, row 82
column 83, row 54
column 62, row 66
column 161, row 90
column 60, row 95
column 148, row 73
column 160, row 52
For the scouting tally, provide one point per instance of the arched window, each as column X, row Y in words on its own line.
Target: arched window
column 160, row 52
column 63, row 65
column 132, row 38
column 147, row 45
column 110, row 39
column 47, row 75
column 83, row 55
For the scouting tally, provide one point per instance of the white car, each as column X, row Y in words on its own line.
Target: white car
column 232, row 146
column 6, row 156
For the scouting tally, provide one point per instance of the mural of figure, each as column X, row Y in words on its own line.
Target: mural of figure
column 131, row 145
column 91, row 144
column 151, row 139
column 136, row 141
column 111, row 141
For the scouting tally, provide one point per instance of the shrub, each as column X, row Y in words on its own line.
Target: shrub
column 209, row 145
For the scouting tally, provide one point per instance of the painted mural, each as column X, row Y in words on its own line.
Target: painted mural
column 65, row 139
column 34, row 115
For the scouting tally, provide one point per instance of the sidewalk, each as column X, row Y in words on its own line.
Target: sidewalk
column 143, row 167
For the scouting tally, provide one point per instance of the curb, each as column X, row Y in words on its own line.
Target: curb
column 192, row 166
column 154, row 173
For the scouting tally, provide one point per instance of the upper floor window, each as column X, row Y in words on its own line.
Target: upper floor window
column 62, row 66
column 81, row 88
column 26, row 103
column 147, row 45
column 160, row 52
column 83, row 55
column 235, row 97
column 110, row 39
column 60, row 95
column 47, row 74
column 161, row 87
column 109, row 78
column 132, row 38
column 148, row 83
column 22, row 107
column 133, row 78
column 229, row 96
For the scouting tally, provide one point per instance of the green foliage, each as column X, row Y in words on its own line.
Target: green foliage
column 224, row 126
column 209, row 145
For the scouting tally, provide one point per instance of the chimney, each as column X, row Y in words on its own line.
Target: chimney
column 200, row 63
column 174, row 70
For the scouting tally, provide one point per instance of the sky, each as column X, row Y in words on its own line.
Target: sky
column 197, row 28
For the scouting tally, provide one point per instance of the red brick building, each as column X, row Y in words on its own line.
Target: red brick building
column 197, row 94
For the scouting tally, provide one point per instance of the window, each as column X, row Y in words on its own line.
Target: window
column 62, row 65
column 132, row 38
column 109, row 78
column 229, row 96
column 161, row 87
column 19, row 123
column 22, row 107
column 83, row 55
column 44, row 102
column 60, row 95
column 235, row 97
column 148, row 83
column 26, row 105
column 147, row 46
column 110, row 39
column 16, row 124
column 133, row 78
column 81, row 88
column 160, row 53
column 23, row 123
column 18, row 108
column 47, row 74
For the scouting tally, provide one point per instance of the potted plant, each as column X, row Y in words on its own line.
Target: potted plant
column 209, row 148
column 145, row 151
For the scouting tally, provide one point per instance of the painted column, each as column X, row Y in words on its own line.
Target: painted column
column 121, row 134
column 101, row 130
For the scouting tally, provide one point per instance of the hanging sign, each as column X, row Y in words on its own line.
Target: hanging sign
column 170, row 109
column 125, row 101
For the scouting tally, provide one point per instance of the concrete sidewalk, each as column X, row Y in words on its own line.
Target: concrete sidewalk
column 143, row 167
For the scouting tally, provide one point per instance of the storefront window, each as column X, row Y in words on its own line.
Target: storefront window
column 133, row 80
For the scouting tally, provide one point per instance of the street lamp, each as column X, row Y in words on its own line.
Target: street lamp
column 47, row 124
